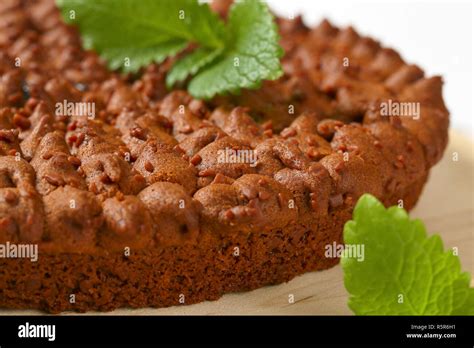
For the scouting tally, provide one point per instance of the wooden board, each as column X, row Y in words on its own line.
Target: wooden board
column 446, row 206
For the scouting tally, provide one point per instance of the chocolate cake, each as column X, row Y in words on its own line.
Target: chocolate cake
column 155, row 199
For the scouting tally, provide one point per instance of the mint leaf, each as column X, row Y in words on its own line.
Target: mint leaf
column 254, row 54
column 465, row 303
column 130, row 34
column 191, row 64
column 403, row 270
column 142, row 31
column 118, row 58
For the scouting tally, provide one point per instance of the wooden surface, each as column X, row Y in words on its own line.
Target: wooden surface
column 446, row 206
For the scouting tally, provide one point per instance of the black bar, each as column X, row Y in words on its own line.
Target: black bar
column 288, row 330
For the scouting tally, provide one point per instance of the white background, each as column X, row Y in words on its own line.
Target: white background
column 435, row 35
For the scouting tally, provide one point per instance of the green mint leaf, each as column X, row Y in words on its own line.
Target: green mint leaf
column 252, row 56
column 191, row 64
column 403, row 271
column 465, row 303
column 129, row 61
column 130, row 33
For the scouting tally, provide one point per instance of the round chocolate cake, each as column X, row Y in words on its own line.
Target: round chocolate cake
column 160, row 199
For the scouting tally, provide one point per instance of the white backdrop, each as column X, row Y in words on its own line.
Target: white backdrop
column 436, row 35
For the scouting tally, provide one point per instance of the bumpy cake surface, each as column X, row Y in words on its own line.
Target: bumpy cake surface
column 180, row 182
